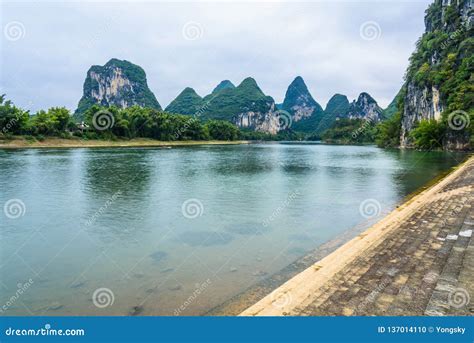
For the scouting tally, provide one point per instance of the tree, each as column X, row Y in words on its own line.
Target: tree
column 428, row 134
column 388, row 132
column 41, row 123
column 12, row 119
column 53, row 122
column 222, row 130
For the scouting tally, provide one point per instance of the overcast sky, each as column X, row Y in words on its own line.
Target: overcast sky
column 337, row 47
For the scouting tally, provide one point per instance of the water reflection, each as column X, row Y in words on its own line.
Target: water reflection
column 408, row 163
column 113, row 218
column 125, row 170
column 249, row 160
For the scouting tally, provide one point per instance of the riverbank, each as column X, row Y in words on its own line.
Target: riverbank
column 416, row 261
column 21, row 143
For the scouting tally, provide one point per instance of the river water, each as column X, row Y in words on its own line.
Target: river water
column 159, row 231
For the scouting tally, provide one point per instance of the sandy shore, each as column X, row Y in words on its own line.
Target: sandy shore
column 20, row 143
column 331, row 285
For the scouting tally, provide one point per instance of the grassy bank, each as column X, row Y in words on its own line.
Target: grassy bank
column 20, row 142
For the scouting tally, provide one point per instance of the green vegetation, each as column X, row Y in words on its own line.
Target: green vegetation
column 351, row 131
column 286, row 135
column 364, row 105
column 428, row 134
column 54, row 122
column 298, row 96
column 337, row 106
column 392, row 108
column 444, row 58
column 309, row 124
column 388, row 132
column 222, row 130
column 227, row 102
column 13, row 120
column 223, row 85
column 451, row 43
column 140, row 95
column 343, row 130
column 112, row 123
column 187, row 102
column 139, row 122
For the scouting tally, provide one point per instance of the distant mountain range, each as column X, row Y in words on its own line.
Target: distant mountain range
column 434, row 105
column 123, row 84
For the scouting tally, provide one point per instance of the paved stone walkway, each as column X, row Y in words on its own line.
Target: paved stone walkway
column 424, row 265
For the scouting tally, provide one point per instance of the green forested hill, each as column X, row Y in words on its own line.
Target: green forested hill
column 187, row 102
column 305, row 111
column 117, row 83
column 228, row 102
column 439, row 82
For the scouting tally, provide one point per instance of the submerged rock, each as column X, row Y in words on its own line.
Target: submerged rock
column 150, row 290
column 55, row 306
column 78, row 284
column 158, row 256
column 175, row 288
column 259, row 273
column 136, row 310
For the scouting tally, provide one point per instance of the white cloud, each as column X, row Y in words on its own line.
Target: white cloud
column 270, row 41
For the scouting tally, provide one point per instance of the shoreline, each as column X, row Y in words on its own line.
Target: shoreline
column 253, row 294
column 301, row 290
column 21, row 143
column 241, row 301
